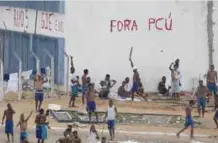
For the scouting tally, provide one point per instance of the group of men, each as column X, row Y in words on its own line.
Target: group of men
column 41, row 122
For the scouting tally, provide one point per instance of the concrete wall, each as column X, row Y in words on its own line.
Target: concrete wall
column 215, row 29
column 94, row 46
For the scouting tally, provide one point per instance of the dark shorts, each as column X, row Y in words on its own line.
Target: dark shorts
column 84, row 90
column 39, row 95
column 111, row 124
column 189, row 122
column 91, row 106
column 212, row 87
column 134, row 87
column 216, row 115
column 201, row 102
column 41, row 132
column 9, row 125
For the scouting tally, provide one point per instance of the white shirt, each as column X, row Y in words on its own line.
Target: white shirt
column 111, row 113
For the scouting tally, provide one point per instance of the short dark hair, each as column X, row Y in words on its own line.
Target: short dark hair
column 41, row 110
column 107, row 75
column 85, row 71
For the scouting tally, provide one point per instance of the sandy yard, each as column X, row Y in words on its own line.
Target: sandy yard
column 26, row 105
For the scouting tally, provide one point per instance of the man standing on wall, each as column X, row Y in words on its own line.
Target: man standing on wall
column 39, row 95
column 211, row 84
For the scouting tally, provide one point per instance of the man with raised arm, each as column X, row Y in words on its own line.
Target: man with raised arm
column 23, row 123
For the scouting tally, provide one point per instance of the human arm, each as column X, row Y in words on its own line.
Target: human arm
column 29, row 116
column 3, row 118
column 115, row 108
column 18, row 124
column 170, row 67
column 216, row 76
column 114, row 82
column 72, row 68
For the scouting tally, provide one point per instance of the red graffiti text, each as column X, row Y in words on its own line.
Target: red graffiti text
column 21, row 18
column 160, row 23
column 124, row 25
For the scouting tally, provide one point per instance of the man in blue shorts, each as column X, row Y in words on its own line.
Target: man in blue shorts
column 201, row 93
column 41, row 126
column 111, row 118
column 215, row 118
column 211, row 84
column 9, row 123
column 188, row 120
column 39, row 95
column 91, row 105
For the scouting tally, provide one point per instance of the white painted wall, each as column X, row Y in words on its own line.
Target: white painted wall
column 215, row 38
column 89, row 40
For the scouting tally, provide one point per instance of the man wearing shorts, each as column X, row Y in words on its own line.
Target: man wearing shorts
column 74, row 92
column 91, row 105
column 188, row 120
column 201, row 94
column 23, row 127
column 84, row 84
column 211, row 84
column 9, row 123
column 41, row 126
column 39, row 95
column 111, row 118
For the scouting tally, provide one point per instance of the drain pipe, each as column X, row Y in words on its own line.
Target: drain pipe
column 67, row 75
column 52, row 70
column 20, row 90
column 210, row 30
column 34, row 55
column 2, row 75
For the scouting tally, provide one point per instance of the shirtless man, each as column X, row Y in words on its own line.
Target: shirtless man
column 9, row 123
column 201, row 94
column 39, row 95
column 211, row 84
column 84, row 84
column 122, row 92
column 188, row 120
column 91, row 105
column 41, row 126
column 136, row 80
column 23, row 127
column 175, row 83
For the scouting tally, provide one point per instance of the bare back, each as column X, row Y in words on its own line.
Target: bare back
column 23, row 126
column 38, row 84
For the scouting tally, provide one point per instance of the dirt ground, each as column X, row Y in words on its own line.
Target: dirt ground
column 26, row 105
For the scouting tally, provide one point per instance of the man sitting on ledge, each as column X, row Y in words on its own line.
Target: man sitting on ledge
column 106, row 85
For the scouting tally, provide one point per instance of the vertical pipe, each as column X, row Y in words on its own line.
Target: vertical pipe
column 20, row 90
column 52, row 70
column 34, row 55
column 210, row 30
column 1, row 74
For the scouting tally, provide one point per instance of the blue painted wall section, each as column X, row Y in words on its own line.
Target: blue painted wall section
column 19, row 42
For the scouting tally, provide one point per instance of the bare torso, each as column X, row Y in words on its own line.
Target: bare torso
column 90, row 95
column 9, row 114
column 84, row 80
column 211, row 76
column 40, row 119
column 38, row 84
column 23, row 126
column 188, row 111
